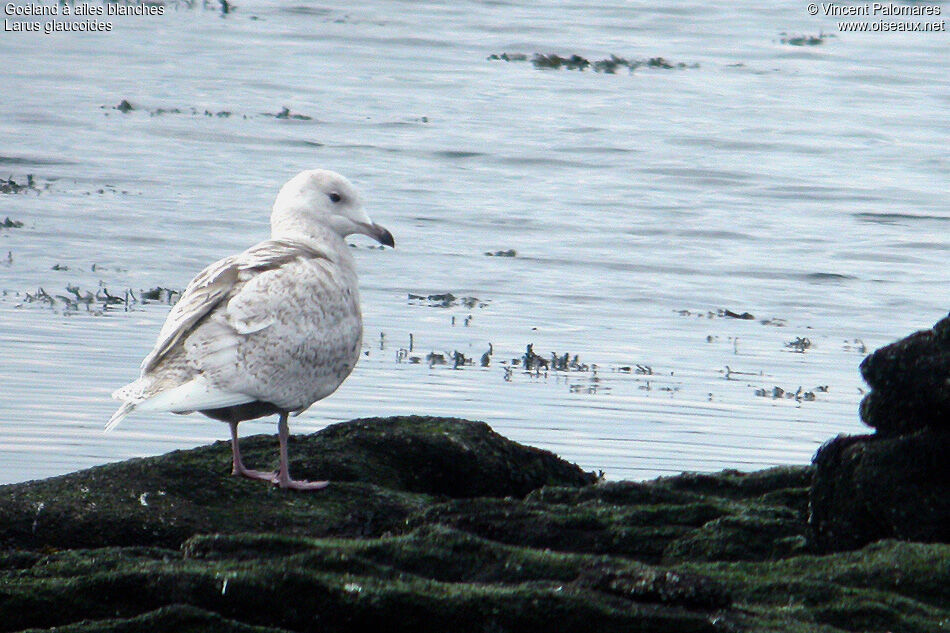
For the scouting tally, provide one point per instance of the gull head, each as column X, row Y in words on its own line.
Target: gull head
column 322, row 197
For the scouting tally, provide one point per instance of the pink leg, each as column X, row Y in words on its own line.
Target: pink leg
column 238, row 469
column 283, row 475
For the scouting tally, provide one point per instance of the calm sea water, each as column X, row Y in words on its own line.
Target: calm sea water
column 803, row 184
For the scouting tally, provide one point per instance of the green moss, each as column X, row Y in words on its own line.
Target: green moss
column 382, row 471
column 403, row 583
column 178, row 618
column 439, row 524
column 888, row 586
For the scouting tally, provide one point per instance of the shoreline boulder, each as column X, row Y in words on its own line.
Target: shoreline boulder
column 895, row 482
column 867, row 488
column 910, row 383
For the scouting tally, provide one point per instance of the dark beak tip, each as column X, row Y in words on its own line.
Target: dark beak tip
column 386, row 239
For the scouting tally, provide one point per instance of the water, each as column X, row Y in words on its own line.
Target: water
column 802, row 184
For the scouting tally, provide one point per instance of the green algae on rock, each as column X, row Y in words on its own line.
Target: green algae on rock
column 436, row 524
column 382, row 470
column 663, row 521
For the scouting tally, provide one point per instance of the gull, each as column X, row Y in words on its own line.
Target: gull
column 270, row 330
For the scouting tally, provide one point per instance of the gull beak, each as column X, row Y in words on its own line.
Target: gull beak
column 378, row 233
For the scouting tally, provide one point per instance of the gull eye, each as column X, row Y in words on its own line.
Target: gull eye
column 334, row 196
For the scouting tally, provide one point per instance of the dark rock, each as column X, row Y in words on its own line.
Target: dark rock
column 869, row 487
column 910, row 383
column 382, row 470
column 428, row 580
column 734, row 484
column 397, row 543
column 641, row 533
column 726, row 516
column 752, row 535
column 894, row 483
column 439, row 456
column 887, row 587
column 649, row 584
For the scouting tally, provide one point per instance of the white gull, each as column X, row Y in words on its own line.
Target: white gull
column 270, row 330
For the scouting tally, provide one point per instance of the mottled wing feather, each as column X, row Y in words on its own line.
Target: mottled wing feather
column 217, row 282
column 204, row 292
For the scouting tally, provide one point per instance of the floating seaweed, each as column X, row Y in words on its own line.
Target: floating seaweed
column 799, row 345
column 285, row 113
column 745, row 316
column 126, row 107
column 609, row 65
column 446, row 300
column 101, row 301
column 804, row 40
column 11, row 186
column 798, row 395
column 485, row 360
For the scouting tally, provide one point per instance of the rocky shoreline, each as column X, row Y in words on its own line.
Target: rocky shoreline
column 438, row 524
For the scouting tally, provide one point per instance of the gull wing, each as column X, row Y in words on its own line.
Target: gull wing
column 218, row 282
column 204, row 292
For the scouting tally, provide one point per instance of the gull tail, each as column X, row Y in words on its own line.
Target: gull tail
column 195, row 395
column 118, row 416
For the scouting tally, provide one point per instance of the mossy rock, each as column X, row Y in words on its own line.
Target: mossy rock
column 399, row 543
column 641, row 532
column 755, row 534
column 437, row 456
column 382, row 470
column 433, row 579
column 886, row 587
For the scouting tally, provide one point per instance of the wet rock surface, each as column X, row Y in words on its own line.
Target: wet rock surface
column 435, row 524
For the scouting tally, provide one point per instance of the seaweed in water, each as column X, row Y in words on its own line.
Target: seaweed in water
column 609, row 65
column 798, row 396
column 746, row 316
column 285, row 113
column 799, row 345
column 11, row 186
column 102, row 299
column 804, row 40
column 445, row 300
